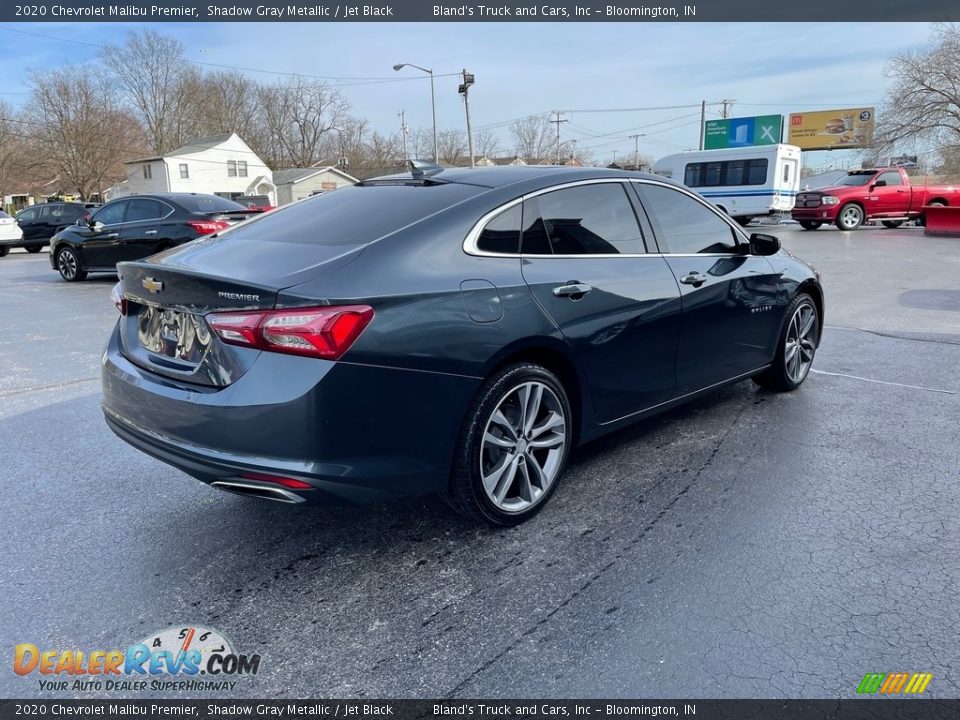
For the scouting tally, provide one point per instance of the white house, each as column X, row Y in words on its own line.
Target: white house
column 219, row 164
column 298, row 183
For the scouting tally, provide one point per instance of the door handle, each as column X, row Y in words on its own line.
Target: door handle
column 572, row 289
column 150, row 232
column 696, row 279
column 110, row 236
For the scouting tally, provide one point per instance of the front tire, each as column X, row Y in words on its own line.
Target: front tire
column 34, row 249
column 4, row 250
column 796, row 347
column 513, row 446
column 68, row 263
column 850, row 217
column 810, row 224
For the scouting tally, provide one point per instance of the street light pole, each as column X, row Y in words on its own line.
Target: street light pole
column 433, row 103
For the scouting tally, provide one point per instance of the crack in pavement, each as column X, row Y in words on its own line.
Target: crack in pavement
column 884, row 382
column 40, row 388
column 483, row 667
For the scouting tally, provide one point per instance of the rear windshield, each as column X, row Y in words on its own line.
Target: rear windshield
column 353, row 215
column 208, row 204
column 3, row 215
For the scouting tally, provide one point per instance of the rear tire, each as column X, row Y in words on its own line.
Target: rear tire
column 850, row 217
column 922, row 220
column 513, row 446
column 810, row 224
column 68, row 263
column 34, row 249
column 796, row 347
column 4, row 250
column 892, row 224
column 743, row 220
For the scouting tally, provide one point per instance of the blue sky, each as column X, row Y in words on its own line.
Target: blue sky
column 527, row 68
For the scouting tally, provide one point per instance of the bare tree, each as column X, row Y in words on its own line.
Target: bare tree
column 452, row 146
column 10, row 144
column 486, row 144
column 923, row 100
column 534, row 138
column 301, row 116
column 85, row 134
column 153, row 75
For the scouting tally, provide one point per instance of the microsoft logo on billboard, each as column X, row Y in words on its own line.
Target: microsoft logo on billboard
column 742, row 132
column 894, row 683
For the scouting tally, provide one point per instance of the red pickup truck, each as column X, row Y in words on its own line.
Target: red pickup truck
column 882, row 194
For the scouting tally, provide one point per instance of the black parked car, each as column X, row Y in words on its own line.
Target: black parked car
column 41, row 222
column 135, row 227
column 452, row 331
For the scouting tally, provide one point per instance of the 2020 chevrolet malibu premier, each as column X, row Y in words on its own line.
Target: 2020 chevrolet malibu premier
column 454, row 331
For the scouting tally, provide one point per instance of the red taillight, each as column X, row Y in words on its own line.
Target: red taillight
column 206, row 227
column 326, row 332
column 286, row 482
column 116, row 294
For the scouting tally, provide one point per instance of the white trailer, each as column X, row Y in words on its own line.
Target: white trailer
column 743, row 182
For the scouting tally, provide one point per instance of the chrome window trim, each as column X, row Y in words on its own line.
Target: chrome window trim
column 470, row 241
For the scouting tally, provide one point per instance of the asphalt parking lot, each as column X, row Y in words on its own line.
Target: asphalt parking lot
column 749, row 545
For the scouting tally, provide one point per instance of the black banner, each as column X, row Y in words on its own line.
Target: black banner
column 494, row 11
column 879, row 709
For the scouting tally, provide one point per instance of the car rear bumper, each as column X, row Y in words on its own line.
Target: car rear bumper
column 353, row 432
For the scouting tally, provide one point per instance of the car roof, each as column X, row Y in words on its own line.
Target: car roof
column 503, row 175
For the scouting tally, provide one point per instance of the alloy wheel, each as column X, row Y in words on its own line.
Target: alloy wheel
column 800, row 343
column 851, row 217
column 523, row 447
column 67, row 264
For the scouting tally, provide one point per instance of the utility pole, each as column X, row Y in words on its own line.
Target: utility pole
column 403, row 132
column 636, row 151
column 703, row 121
column 557, row 123
column 464, row 90
column 726, row 103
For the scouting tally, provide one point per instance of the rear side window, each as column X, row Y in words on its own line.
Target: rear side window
column 684, row 225
column 502, row 233
column 586, row 220
column 353, row 215
column 144, row 209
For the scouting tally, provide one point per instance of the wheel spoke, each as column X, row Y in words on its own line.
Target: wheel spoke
column 490, row 439
column 553, row 421
column 526, row 487
column 808, row 322
column 492, row 479
column 506, row 480
column 531, row 406
column 547, row 442
column 540, row 476
column 499, row 419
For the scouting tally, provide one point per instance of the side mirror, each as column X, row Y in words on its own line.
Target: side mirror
column 761, row 244
column 95, row 225
column 879, row 183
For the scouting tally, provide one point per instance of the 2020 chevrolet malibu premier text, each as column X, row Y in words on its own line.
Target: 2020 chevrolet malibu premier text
column 453, row 331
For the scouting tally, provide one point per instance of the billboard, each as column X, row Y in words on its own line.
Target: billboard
column 742, row 132
column 832, row 129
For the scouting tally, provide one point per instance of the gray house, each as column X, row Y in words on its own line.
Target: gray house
column 298, row 183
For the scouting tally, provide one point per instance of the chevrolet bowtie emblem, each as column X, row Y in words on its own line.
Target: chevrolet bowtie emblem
column 152, row 285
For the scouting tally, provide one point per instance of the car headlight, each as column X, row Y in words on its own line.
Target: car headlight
column 829, row 200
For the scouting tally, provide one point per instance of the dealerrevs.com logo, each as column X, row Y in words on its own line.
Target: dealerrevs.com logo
column 178, row 658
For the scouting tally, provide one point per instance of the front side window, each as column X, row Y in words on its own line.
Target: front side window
column 147, row 172
column 684, row 225
column 891, row 178
column 28, row 215
column 231, row 168
column 586, row 220
column 184, row 171
column 502, row 233
column 111, row 214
